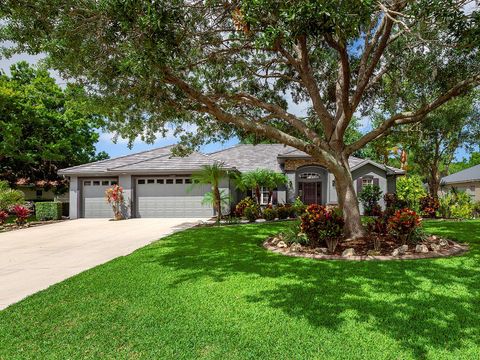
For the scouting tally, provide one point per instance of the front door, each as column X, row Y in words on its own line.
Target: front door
column 312, row 192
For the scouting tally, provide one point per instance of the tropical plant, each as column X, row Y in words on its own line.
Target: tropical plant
column 293, row 234
column 403, row 225
column 252, row 212
column 229, row 68
column 269, row 213
column 411, row 190
column 476, row 209
column 456, row 204
column 273, row 181
column 212, row 175
column 210, row 198
column 299, row 207
column 318, row 223
column 257, row 179
column 369, row 197
column 242, row 204
column 9, row 197
column 115, row 198
column 429, row 205
column 285, row 211
column 21, row 214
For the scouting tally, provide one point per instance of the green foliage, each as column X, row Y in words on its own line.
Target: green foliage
column 476, row 209
column 251, row 212
column 21, row 214
column 473, row 159
column 242, row 204
column 44, row 127
column 50, row 210
column 411, row 190
column 258, row 178
column 456, row 204
column 285, row 211
column 269, row 213
column 277, row 304
column 369, row 197
column 212, row 175
column 293, row 234
column 9, row 197
column 299, row 207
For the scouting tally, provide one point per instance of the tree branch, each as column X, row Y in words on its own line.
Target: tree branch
column 411, row 117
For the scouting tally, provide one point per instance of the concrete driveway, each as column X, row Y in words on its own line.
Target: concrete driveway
column 33, row 259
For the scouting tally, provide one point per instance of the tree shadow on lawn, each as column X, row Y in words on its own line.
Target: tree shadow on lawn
column 422, row 304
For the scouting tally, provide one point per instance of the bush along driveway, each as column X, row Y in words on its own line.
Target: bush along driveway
column 214, row 292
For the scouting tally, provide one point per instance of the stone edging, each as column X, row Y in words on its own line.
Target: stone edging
column 456, row 249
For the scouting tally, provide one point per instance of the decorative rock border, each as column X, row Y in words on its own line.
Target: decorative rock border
column 454, row 250
column 14, row 227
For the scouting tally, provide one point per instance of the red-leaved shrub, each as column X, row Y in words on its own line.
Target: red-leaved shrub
column 404, row 224
column 320, row 224
column 3, row 216
column 429, row 205
column 21, row 213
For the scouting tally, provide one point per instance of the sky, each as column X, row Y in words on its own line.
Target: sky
column 120, row 148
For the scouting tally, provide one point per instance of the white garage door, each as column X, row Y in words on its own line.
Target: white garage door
column 94, row 203
column 171, row 197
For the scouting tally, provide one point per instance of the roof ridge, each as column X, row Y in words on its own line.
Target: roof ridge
column 229, row 148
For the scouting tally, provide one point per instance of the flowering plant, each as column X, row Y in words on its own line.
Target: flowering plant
column 114, row 197
column 320, row 224
column 403, row 224
column 21, row 213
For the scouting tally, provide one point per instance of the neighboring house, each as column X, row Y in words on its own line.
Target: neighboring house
column 40, row 190
column 157, row 184
column 467, row 180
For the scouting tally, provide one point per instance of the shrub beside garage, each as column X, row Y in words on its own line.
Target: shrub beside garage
column 50, row 210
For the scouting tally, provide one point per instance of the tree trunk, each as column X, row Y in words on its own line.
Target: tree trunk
column 257, row 194
column 218, row 203
column 270, row 195
column 347, row 200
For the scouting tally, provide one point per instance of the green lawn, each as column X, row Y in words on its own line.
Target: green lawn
column 214, row 293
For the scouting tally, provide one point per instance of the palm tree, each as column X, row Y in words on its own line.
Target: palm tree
column 273, row 181
column 259, row 178
column 212, row 175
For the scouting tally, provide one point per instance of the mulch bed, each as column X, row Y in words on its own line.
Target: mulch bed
column 363, row 249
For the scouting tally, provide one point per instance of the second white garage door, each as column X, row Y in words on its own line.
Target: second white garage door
column 170, row 197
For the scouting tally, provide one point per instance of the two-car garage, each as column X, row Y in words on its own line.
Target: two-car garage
column 174, row 197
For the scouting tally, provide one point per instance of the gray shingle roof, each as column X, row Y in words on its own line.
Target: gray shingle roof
column 470, row 174
column 156, row 160
column 244, row 157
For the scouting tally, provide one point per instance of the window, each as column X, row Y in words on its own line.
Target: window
column 310, row 175
column 169, row 181
column 367, row 181
column 188, row 181
column 105, row 182
column 333, row 183
column 96, row 183
column 141, row 181
column 151, row 181
column 263, row 196
column 178, row 181
column 38, row 193
column 87, row 183
column 160, row 181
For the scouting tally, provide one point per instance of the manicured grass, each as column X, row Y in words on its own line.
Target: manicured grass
column 214, row 293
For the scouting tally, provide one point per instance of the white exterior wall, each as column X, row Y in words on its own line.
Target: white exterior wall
column 74, row 194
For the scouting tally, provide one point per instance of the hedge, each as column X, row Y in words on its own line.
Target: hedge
column 51, row 210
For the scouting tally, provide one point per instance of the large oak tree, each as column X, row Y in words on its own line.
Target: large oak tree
column 226, row 65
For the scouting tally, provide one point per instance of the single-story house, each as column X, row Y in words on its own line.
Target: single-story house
column 158, row 184
column 467, row 180
column 40, row 190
